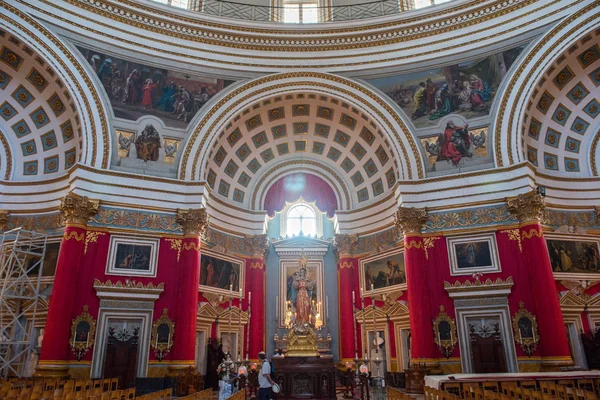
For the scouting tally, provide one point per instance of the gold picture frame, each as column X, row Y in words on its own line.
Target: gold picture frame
column 526, row 330
column 83, row 330
column 162, row 335
column 444, row 329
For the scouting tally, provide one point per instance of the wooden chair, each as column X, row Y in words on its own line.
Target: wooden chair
column 452, row 387
column 114, row 384
column 566, row 382
column 491, row 385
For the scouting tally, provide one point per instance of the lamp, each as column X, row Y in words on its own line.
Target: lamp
column 541, row 190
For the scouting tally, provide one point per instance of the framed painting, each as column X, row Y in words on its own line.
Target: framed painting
column 288, row 291
column 218, row 272
column 132, row 256
column 573, row 255
column 470, row 254
column 385, row 271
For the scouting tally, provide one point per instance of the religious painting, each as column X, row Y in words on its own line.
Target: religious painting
column 384, row 272
column 476, row 253
column 220, row 273
column 136, row 89
column 457, row 146
column 132, row 256
column 467, row 88
column 48, row 265
column 573, row 254
column 299, row 291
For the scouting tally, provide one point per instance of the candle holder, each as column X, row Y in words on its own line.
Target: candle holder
column 162, row 335
column 526, row 330
column 444, row 330
column 83, row 330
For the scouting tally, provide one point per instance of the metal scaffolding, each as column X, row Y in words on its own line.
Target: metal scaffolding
column 21, row 260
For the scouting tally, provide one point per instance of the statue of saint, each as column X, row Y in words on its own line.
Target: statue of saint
column 40, row 338
column 303, row 287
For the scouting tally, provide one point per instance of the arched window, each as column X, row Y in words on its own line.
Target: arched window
column 175, row 3
column 301, row 218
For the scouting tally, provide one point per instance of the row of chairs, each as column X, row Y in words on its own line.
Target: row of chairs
column 395, row 394
column 165, row 394
column 65, row 385
column 541, row 390
column 544, row 386
column 203, row 395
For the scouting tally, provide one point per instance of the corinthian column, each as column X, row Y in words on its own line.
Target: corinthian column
column 529, row 209
column 410, row 222
column 194, row 223
column 3, row 220
column 76, row 211
column 348, row 283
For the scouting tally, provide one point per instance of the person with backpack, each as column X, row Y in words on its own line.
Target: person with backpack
column 265, row 382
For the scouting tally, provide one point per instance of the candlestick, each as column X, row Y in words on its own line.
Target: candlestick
column 326, row 306
column 277, row 308
column 248, row 325
column 533, row 331
column 363, row 329
column 439, row 339
column 374, row 319
column 229, row 327
column 520, row 336
column 240, row 327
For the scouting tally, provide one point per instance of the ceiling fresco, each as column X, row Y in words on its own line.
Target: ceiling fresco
column 467, row 89
column 136, row 90
column 39, row 117
column 562, row 117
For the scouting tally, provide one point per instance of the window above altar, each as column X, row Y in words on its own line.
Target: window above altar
column 301, row 218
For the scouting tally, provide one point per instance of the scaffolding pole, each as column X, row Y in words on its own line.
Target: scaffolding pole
column 21, row 260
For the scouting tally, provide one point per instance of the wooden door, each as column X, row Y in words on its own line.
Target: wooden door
column 487, row 349
column 121, row 357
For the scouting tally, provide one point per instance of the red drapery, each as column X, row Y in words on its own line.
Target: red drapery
column 310, row 187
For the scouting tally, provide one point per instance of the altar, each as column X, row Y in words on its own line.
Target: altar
column 305, row 377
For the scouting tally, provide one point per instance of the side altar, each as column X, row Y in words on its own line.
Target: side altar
column 304, row 367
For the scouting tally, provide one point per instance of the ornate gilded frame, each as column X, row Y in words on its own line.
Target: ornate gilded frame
column 161, row 348
column 445, row 344
column 79, row 346
column 239, row 262
column 528, row 342
column 381, row 257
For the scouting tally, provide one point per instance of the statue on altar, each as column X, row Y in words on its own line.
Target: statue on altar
column 302, row 288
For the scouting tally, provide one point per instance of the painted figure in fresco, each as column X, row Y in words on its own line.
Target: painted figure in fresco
column 104, row 71
column 430, row 90
column 303, row 287
column 147, row 144
column 147, row 93
column 131, row 89
column 565, row 258
column 166, row 100
column 181, row 99
column 456, row 143
column 420, row 99
column 481, row 93
column 443, row 102
column 471, row 261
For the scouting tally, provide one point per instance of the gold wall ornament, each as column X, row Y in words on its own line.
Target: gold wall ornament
column 526, row 207
column 597, row 211
column 344, row 245
column 83, row 330
column 514, row 234
column 73, row 236
column 193, row 221
column 162, row 335
column 257, row 245
column 257, row 265
column 175, row 245
column 346, row 264
column 537, row 232
column 91, row 237
column 191, row 246
column 76, row 209
column 410, row 220
column 3, row 220
column 526, row 330
column 429, row 243
column 214, row 299
column 444, row 330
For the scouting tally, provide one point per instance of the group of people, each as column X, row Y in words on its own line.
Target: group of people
column 437, row 101
column 139, row 89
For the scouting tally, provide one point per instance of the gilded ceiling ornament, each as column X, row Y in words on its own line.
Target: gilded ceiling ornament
column 257, row 245
column 410, row 220
column 3, row 220
column 193, row 221
column 526, row 207
column 344, row 245
column 76, row 209
column 91, row 237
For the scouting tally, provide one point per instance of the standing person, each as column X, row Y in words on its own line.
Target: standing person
column 265, row 382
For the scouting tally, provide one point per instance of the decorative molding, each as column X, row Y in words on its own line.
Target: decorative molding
column 390, row 298
column 488, row 288
column 344, row 245
column 537, row 232
column 193, row 221
column 214, row 299
column 578, row 287
column 257, row 265
column 128, row 290
column 410, row 220
column 3, row 220
column 514, row 234
column 91, row 237
column 526, row 207
column 76, row 209
column 175, row 245
column 426, row 244
column 257, row 245
column 346, row 264
column 294, row 247
column 73, row 235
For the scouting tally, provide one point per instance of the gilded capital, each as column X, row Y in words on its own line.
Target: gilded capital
column 344, row 244
column 257, row 245
column 526, row 207
column 76, row 209
column 410, row 220
column 193, row 221
column 3, row 220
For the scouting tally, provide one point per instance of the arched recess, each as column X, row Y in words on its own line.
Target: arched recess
column 214, row 120
column 510, row 115
column 93, row 118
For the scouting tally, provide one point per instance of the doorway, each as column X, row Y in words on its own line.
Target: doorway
column 487, row 348
column 122, row 353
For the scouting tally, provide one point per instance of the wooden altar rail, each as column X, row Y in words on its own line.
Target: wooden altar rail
column 241, row 395
column 563, row 389
column 203, row 395
column 395, row 394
